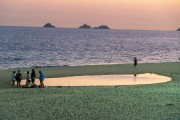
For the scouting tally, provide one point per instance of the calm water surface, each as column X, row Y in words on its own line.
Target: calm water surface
column 29, row 47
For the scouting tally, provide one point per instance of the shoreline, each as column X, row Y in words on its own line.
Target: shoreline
column 50, row 66
column 69, row 71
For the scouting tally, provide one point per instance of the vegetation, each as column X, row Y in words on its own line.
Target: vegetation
column 150, row 102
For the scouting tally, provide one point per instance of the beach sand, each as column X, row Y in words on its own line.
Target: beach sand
column 105, row 80
column 153, row 101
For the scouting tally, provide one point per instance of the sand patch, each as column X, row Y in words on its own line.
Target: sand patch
column 105, row 80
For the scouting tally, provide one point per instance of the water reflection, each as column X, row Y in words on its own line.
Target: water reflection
column 135, row 77
column 106, row 80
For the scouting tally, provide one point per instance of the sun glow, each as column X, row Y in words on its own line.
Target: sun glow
column 127, row 14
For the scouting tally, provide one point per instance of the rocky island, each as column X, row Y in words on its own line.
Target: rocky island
column 178, row 29
column 49, row 25
column 103, row 27
column 85, row 26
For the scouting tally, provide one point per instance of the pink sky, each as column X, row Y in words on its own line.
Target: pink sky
column 117, row 14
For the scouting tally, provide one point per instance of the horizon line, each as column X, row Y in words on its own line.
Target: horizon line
column 57, row 27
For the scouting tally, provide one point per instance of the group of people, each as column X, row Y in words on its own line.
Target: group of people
column 30, row 79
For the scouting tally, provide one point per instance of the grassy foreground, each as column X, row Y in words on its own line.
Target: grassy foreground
column 150, row 102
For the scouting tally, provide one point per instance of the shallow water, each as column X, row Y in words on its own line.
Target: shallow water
column 29, row 47
column 105, row 80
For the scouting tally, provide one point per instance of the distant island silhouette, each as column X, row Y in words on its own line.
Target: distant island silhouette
column 85, row 26
column 49, row 25
column 103, row 27
column 178, row 29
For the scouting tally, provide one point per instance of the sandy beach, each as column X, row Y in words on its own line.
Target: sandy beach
column 160, row 101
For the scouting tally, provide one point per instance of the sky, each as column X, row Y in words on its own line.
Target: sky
column 117, row 14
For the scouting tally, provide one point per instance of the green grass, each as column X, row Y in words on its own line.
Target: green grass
column 150, row 102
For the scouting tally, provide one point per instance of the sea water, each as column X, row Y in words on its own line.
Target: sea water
column 33, row 46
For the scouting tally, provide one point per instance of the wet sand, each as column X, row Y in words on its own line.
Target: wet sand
column 105, row 80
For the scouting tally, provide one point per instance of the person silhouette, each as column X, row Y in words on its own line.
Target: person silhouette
column 33, row 76
column 18, row 78
column 135, row 62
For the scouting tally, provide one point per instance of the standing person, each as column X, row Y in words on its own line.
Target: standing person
column 28, row 81
column 41, row 79
column 18, row 78
column 13, row 77
column 33, row 76
column 27, row 78
column 135, row 62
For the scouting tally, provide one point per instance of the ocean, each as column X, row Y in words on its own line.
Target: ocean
column 33, row 46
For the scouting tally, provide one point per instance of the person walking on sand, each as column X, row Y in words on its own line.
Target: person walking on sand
column 135, row 62
column 41, row 79
column 33, row 76
column 18, row 78
column 13, row 77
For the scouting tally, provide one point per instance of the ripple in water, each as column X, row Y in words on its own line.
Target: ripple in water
column 28, row 47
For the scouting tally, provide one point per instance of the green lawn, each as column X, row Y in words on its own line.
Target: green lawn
column 141, row 102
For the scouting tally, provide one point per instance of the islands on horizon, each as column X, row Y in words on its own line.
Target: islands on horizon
column 49, row 25
column 85, row 26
